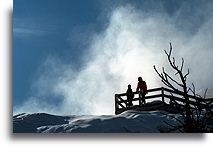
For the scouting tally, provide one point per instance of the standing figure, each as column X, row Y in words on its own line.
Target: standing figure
column 142, row 89
column 130, row 96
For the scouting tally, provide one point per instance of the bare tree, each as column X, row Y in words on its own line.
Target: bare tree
column 170, row 82
column 196, row 119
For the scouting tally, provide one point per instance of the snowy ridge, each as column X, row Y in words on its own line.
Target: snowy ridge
column 129, row 121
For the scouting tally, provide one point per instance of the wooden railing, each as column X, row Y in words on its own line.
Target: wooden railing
column 165, row 95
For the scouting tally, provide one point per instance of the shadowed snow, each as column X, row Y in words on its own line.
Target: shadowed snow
column 128, row 121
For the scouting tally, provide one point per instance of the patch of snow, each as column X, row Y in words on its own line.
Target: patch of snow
column 129, row 121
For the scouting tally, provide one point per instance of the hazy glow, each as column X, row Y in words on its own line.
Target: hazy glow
column 129, row 47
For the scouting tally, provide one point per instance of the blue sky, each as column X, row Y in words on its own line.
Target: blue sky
column 57, row 44
column 41, row 28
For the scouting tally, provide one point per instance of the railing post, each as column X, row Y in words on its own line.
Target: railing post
column 162, row 92
column 116, row 104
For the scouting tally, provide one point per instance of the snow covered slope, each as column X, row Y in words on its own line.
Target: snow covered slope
column 128, row 121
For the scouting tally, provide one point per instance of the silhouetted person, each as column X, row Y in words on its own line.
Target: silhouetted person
column 130, row 96
column 142, row 89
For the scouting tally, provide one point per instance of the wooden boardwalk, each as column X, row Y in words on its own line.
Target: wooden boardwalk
column 164, row 94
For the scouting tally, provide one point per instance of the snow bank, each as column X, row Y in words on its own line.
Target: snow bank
column 127, row 122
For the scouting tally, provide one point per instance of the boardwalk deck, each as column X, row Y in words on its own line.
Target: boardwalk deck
column 164, row 94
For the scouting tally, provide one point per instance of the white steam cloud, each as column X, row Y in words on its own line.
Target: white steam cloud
column 131, row 44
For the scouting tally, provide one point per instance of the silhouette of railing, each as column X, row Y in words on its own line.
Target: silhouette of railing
column 161, row 94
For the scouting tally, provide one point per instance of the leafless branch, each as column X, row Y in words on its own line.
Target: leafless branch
column 181, row 69
column 164, row 78
column 181, row 85
column 204, row 96
column 186, row 74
